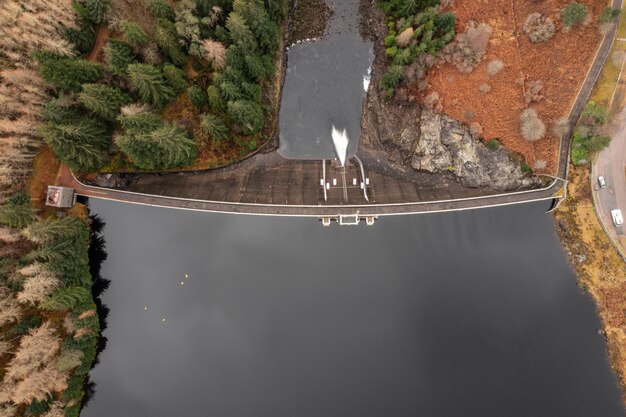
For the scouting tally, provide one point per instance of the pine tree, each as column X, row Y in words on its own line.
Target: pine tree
column 138, row 119
column 167, row 39
column 213, row 126
column 16, row 216
column 79, row 143
column 151, row 84
column 68, row 73
column 118, row 56
column 134, row 34
column 160, row 9
column 197, row 96
column 165, row 147
column 96, row 9
column 240, row 33
column 214, row 98
column 67, row 298
column 175, row 77
column 50, row 229
column 247, row 114
column 103, row 100
column 259, row 67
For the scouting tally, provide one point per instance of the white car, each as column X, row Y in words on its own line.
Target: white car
column 618, row 220
column 601, row 181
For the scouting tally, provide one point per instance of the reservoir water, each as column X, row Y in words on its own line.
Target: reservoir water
column 473, row 314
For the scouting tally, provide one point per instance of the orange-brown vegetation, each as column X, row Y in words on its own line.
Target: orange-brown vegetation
column 560, row 63
column 24, row 28
column 600, row 269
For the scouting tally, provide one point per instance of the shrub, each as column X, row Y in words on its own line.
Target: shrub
column 469, row 48
column 540, row 164
column 405, row 37
column 213, row 126
column 484, row 88
column 532, row 92
column 494, row 67
column 197, row 96
column 134, row 34
column 152, row 86
column 493, row 144
column 594, row 114
column 532, row 128
column 118, row 56
column 538, row 28
column 574, row 13
column 608, row 15
column 475, row 129
column 391, row 79
column 560, row 127
column 103, row 100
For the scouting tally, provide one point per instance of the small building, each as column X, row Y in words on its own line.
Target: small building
column 61, row 197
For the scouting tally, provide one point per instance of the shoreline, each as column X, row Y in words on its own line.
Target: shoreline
column 600, row 270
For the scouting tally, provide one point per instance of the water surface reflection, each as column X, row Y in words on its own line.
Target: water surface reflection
column 473, row 313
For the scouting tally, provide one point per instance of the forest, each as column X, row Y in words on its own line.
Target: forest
column 152, row 89
column 49, row 321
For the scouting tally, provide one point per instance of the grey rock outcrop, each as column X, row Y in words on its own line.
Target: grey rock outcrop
column 446, row 145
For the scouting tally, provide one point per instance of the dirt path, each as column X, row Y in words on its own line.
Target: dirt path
column 101, row 37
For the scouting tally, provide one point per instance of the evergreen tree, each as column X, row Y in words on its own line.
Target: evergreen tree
column 151, row 84
column 213, row 126
column 215, row 99
column 259, row 67
column 68, row 73
column 139, row 119
column 134, row 34
column 165, row 147
column 247, row 114
column 59, row 110
column 50, row 229
column 67, row 299
column 118, row 56
column 16, row 216
column 79, row 143
column 103, row 100
column 175, row 77
column 167, row 40
column 240, row 33
column 95, row 10
column 197, row 96
column 160, row 9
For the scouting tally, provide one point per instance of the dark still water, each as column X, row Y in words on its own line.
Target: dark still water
column 470, row 314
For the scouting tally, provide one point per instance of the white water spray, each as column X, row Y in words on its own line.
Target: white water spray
column 340, row 140
column 366, row 79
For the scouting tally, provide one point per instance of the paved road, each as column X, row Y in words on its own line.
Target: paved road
column 611, row 163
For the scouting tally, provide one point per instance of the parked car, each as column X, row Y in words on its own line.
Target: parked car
column 601, row 181
column 618, row 220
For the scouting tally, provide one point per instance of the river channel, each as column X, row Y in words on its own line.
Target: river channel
column 471, row 313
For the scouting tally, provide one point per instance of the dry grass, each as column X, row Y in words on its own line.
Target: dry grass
column 599, row 268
